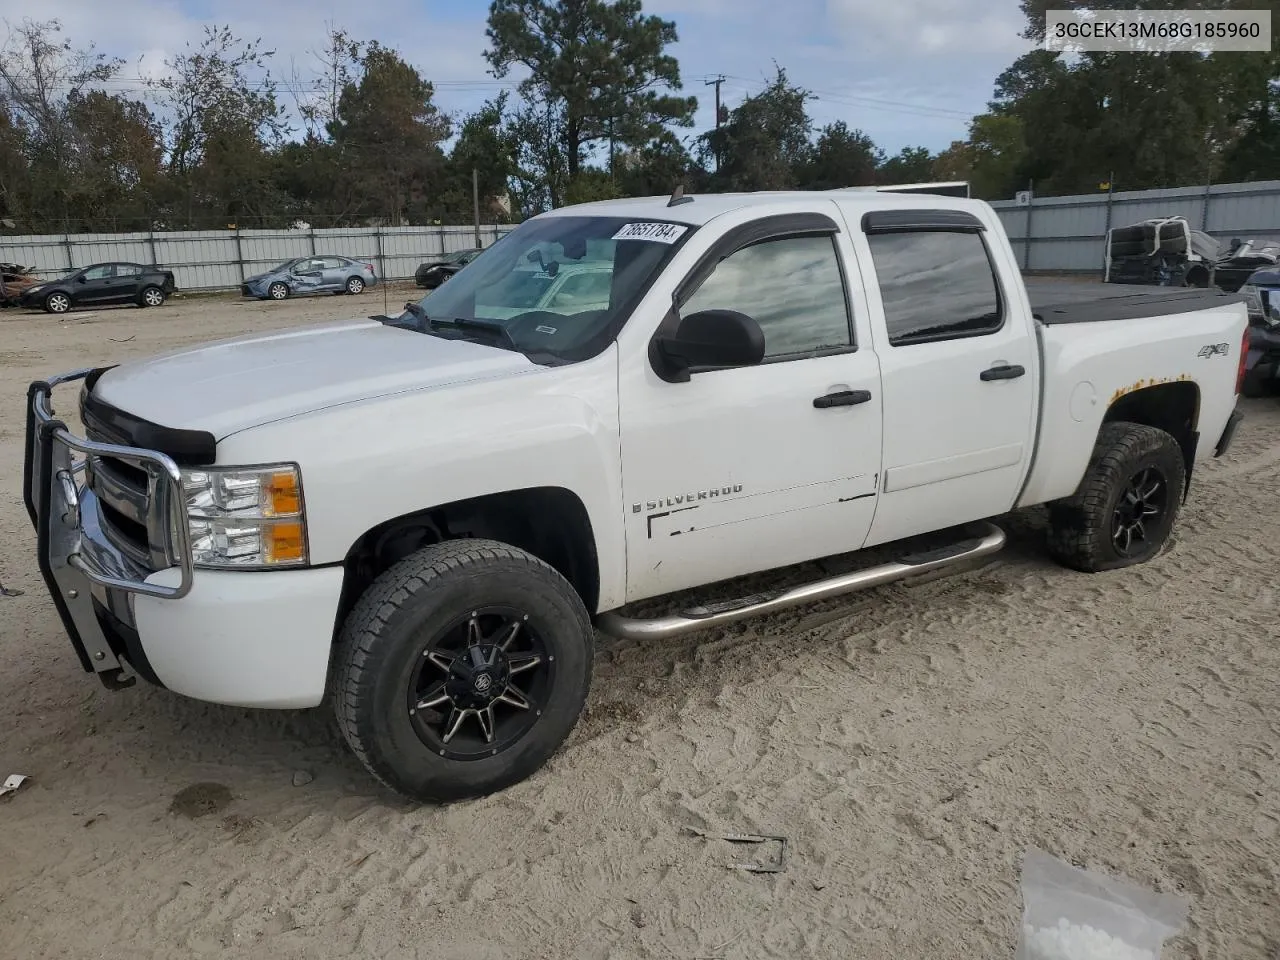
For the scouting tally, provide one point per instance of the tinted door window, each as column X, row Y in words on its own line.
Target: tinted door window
column 101, row 272
column 936, row 286
column 128, row 270
column 792, row 287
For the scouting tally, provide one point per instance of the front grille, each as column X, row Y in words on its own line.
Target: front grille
column 128, row 511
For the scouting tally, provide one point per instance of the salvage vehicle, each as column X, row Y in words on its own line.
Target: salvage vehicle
column 15, row 280
column 303, row 275
column 1262, row 362
column 100, row 284
column 422, row 517
column 1242, row 259
column 431, row 273
column 1163, row 251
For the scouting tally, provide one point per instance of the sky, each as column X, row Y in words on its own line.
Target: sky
column 907, row 72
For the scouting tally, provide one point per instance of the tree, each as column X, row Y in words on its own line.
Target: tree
column 840, row 158
column 339, row 65
column 765, row 141
column 388, row 131
column 221, row 122
column 39, row 73
column 118, row 159
column 484, row 145
column 599, row 64
column 656, row 168
column 911, row 165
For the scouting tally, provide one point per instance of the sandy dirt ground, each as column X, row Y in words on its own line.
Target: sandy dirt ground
column 910, row 743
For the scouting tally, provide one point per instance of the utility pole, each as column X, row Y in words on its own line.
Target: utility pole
column 475, row 200
column 716, row 83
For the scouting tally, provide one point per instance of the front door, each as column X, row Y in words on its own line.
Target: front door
column 95, row 284
column 749, row 468
column 960, row 369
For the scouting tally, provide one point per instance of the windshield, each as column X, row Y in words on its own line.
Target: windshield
column 557, row 289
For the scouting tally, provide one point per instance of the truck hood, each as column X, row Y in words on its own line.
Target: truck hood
column 232, row 385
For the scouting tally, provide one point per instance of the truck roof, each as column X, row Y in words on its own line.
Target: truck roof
column 701, row 208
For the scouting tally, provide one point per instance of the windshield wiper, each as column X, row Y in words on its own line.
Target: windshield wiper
column 469, row 323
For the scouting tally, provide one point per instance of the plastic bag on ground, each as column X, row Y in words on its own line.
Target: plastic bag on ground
column 1074, row 914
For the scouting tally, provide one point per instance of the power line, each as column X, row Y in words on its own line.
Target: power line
column 853, row 99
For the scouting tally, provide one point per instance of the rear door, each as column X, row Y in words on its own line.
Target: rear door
column 742, row 469
column 334, row 272
column 128, row 282
column 959, row 366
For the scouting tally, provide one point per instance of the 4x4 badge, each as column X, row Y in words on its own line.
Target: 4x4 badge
column 1210, row 350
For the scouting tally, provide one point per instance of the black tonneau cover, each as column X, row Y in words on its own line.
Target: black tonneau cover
column 1131, row 306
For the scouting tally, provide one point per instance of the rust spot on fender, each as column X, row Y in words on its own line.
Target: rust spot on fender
column 1147, row 382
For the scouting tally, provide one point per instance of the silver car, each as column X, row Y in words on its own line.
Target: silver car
column 302, row 275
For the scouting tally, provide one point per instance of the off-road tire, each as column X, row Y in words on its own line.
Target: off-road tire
column 1081, row 526
column 382, row 641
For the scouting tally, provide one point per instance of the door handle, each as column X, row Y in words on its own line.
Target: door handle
column 1003, row 371
column 842, row 398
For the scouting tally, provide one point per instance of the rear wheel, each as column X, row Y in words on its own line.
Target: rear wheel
column 355, row 285
column 462, row 669
column 57, row 303
column 278, row 291
column 1124, row 509
column 151, row 297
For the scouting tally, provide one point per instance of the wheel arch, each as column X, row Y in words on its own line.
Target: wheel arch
column 1171, row 407
column 552, row 523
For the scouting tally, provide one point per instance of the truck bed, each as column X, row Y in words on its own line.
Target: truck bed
column 1123, row 306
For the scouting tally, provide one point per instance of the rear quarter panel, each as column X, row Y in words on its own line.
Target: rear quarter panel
column 1090, row 366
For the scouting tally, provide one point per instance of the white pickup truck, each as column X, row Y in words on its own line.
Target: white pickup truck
column 422, row 516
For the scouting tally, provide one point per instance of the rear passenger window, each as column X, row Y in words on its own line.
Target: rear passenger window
column 792, row 287
column 936, row 285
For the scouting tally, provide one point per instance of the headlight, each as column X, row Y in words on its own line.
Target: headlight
column 1253, row 301
column 36, row 289
column 246, row 516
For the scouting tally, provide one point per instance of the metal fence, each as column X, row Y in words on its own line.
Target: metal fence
column 1068, row 233
column 220, row 259
column 1049, row 233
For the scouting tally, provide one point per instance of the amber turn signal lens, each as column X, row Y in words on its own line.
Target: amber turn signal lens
column 283, row 543
column 283, row 494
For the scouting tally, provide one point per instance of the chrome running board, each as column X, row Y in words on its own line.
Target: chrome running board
column 988, row 541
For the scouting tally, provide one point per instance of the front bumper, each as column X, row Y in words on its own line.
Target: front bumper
column 249, row 638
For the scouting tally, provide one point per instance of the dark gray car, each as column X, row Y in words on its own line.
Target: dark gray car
column 301, row 275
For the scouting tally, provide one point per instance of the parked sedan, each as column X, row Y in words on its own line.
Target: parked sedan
column 100, row 284
column 432, row 273
column 303, row 275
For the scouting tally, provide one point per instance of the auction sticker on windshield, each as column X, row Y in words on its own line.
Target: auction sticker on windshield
column 657, row 232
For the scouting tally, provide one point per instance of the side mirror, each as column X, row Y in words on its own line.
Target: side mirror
column 82, row 279
column 708, row 338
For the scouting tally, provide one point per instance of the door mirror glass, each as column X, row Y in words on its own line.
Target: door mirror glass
column 710, row 338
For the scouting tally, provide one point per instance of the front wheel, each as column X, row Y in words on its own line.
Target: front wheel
column 1125, row 507
column 462, row 669
column 57, row 303
column 355, row 285
column 278, row 291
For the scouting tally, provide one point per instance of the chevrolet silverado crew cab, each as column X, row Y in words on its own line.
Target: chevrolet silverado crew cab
column 421, row 518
